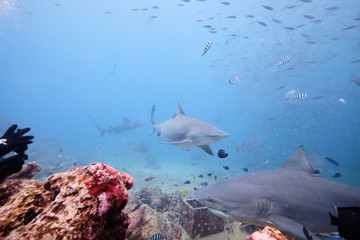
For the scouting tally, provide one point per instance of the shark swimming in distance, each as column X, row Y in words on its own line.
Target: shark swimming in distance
column 291, row 198
column 184, row 131
column 126, row 125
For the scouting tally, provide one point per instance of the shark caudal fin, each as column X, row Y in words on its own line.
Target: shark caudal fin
column 102, row 130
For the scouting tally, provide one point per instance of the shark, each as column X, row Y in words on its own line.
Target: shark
column 126, row 125
column 292, row 198
column 186, row 132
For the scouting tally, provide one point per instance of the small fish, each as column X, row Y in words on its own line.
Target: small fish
column 350, row 27
column 300, row 96
column 332, row 161
column 60, row 156
column 355, row 79
column 277, row 20
column 116, row 154
column 149, row 178
column 336, row 175
column 207, row 46
column 225, row 3
column 271, row 118
column 74, row 164
column 310, row 42
column 195, row 188
column 355, row 61
column 262, row 23
column 207, row 26
column 280, row 87
column 156, row 236
column 231, row 16
column 331, row 8
column 187, row 182
column 342, row 100
column 308, row 16
column 306, row 1
column 204, row 184
column 249, row 16
column 60, row 150
column 316, row 172
column 283, row 61
column 210, row 174
column 99, row 146
column 226, row 167
column 215, row 177
column 301, row 25
column 267, row 7
column 200, row 176
column 234, row 80
column 185, row 191
column 222, row 154
column 245, row 169
column 348, row 221
column 191, row 222
column 289, row 28
column 179, row 233
column 317, row 97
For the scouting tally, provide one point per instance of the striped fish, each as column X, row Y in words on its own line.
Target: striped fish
column 234, row 80
column 207, row 46
column 157, row 236
column 300, row 96
column 284, row 60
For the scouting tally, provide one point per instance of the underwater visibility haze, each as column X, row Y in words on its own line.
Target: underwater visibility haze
column 273, row 75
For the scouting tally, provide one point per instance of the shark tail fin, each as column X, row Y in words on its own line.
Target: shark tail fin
column 152, row 115
column 102, row 130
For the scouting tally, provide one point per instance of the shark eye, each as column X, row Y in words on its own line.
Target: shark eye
column 211, row 200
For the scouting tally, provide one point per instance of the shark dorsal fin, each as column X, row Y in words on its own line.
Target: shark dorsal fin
column 299, row 161
column 125, row 119
column 179, row 111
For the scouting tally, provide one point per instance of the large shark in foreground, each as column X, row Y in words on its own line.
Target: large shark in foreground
column 184, row 131
column 289, row 198
column 126, row 125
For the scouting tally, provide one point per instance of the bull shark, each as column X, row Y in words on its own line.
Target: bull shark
column 126, row 125
column 184, row 131
column 291, row 198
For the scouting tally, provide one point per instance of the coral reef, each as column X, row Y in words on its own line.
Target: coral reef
column 267, row 233
column 81, row 203
column 28, row 171
column 152, row 211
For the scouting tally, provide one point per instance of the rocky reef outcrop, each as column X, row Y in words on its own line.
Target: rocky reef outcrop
column 81, row 203
column 152, row 211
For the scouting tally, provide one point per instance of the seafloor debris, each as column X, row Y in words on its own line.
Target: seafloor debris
column 81, row 203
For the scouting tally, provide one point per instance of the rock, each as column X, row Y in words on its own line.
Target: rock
column 152, row 211
column 28, row 171
column 81, row 203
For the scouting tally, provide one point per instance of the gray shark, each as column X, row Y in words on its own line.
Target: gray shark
column 126, row 125
column 184, row 131
column 288, row 198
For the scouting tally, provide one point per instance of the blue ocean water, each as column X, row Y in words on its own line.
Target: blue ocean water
column 66, row 65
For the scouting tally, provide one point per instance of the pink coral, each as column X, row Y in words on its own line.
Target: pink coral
column 267, row 233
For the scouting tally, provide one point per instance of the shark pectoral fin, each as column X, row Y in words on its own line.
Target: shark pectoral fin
column 207, row 149
column 288, row 225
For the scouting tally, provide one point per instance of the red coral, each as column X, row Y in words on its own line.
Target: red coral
column 127, row 179
column 104, row 183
